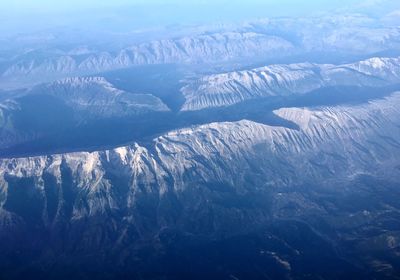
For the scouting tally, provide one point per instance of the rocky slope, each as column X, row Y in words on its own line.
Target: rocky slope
column 210, row 180
column 334, row 36
column 47, row 108
column 285, row 80
column 198, row 49
column 333, row 141
column 95, row 97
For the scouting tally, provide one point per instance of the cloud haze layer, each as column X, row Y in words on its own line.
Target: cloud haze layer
column 23, row 16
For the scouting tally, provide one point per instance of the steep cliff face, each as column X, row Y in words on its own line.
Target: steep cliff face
column 285, row 80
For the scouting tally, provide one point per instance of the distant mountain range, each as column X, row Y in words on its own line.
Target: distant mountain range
column 262, row 150
column 252, row 42
column 73, row 103
column 284, row 80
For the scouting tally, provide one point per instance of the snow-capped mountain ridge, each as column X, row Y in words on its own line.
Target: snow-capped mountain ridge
column 201, row 48
column 80, row 81
column 325, row 127
column 71, row 101
column 287, row 79
column 169, row 153
column 241, row 172
column 99, row 96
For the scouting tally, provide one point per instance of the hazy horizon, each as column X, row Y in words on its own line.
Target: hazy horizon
column 25, row 16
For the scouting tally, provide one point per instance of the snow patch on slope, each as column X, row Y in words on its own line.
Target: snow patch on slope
column 282, row 80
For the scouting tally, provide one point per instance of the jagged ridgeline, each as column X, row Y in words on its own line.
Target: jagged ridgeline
column 268, row 149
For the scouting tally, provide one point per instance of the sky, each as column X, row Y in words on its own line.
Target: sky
column 62, row 6
column 22, row 16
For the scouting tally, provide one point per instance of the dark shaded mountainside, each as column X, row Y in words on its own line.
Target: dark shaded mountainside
column 93, row 113
column 162, row 160
column 224, row 200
